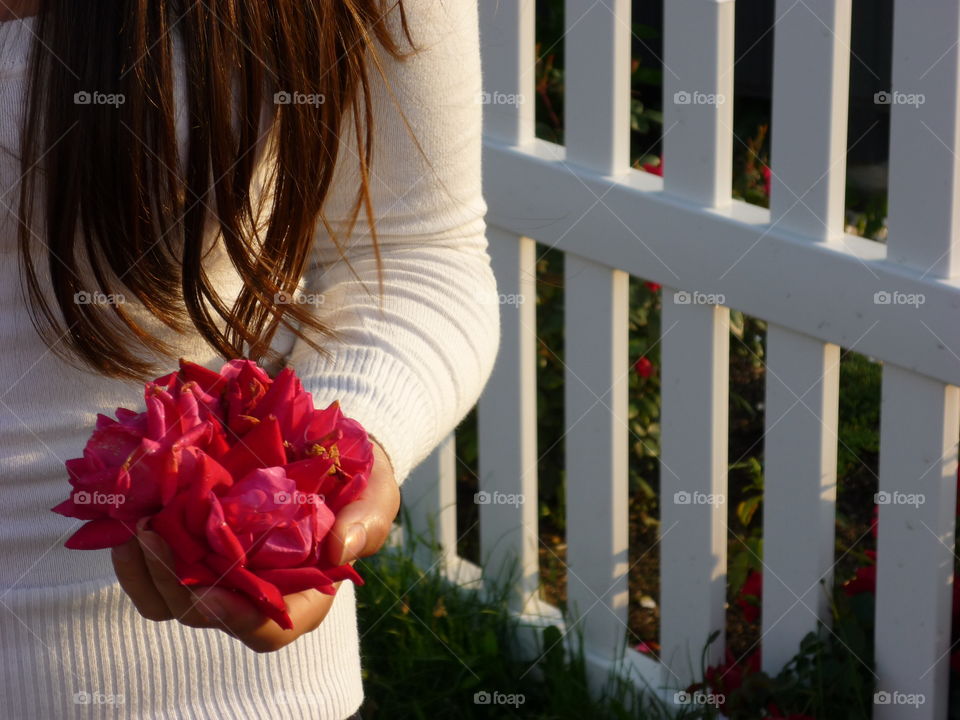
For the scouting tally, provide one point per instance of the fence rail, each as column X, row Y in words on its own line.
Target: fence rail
column 793, row 266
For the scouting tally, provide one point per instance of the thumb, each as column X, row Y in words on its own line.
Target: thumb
column 362, row 526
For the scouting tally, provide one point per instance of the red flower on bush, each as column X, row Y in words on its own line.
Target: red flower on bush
column 864, row 579
column 652, row 286
column 730, row 674
column 654, row 169
column 237, row 472
column 749, row 596
column 774, row 713
column 643, row 367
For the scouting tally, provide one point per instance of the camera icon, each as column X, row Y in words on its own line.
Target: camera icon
column 482, row 498
column 682, row 497
column 882, row 297
column 882, row 98
column 82, row 98
column 681, row 697
column 882, row 697
column 82, row 498
column 681, row 97
column 682, row 297
column 81, row 698
column 282, row 498
column 282, row 98
column 481, row 698
column 882, row 498
column 82, row 298
column 282, row 298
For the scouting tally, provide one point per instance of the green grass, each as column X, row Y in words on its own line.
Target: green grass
column 429, row 646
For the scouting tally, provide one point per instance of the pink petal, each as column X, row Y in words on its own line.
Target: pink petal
column 283, row 547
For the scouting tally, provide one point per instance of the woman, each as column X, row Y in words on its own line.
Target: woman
column 171, row 173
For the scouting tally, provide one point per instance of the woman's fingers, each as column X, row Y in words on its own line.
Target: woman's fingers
column 240, row 618
column 134, row 578
column 147, row 576
column 183, row 604
column 363, row 525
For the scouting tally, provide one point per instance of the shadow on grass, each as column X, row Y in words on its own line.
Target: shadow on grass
column 431, row 649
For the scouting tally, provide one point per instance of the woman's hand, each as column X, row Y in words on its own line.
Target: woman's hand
column 144, row 569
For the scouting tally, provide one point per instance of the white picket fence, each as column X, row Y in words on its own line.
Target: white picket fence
column 792, row 266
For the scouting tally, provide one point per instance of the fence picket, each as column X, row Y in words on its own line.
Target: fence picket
column 507, row 43
column 799, row 501
column 919, row 427
column 507, row 418
column 924, row 185
column 597, row 84
column 693, row 483
column 808, row 161
column 811, row 72
column 596, row 381
column 430, row 496
column 698, row 100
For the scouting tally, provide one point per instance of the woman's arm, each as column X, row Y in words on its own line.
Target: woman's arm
column 409, row 364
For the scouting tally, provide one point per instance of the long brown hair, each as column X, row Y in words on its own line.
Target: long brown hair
column 123, row 208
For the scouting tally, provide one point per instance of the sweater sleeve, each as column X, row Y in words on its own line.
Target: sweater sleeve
column 409, row 364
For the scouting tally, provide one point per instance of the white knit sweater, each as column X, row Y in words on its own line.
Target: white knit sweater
column 71, row 643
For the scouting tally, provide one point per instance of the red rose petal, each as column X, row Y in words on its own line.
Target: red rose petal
column 344, row 572
column 170, row 524
column 309, row 474
column 210, row 380
column 262, row 447
column 99, row 535
column 263, row 594
column 68, row 508
column 292, row 580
